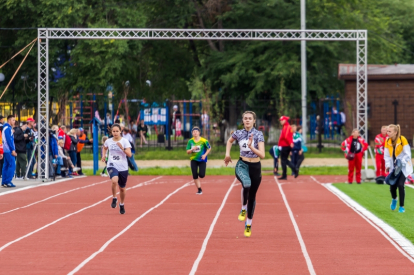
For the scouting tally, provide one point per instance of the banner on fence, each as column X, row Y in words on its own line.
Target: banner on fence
column 154, row 116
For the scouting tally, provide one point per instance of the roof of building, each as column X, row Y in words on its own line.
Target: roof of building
column 396, row 71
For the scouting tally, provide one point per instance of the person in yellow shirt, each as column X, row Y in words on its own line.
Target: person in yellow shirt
column 397, row 150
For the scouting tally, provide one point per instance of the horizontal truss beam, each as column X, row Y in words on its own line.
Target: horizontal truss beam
column 204, row 34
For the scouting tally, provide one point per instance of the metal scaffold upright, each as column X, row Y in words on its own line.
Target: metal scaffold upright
column 44, row 34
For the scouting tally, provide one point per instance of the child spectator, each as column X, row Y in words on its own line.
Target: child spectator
column 274, row 152
column 103, row 174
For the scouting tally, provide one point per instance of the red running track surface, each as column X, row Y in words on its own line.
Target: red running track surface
column 169, row 238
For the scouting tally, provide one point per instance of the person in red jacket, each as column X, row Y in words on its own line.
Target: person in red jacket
column 286, row 145
column 355, row 145
column 379, row 151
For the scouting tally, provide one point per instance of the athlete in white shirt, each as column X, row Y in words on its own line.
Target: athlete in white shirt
column 119, row 149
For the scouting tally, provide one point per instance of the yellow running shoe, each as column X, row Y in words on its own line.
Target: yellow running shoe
column 242, row 215
column 247, row 231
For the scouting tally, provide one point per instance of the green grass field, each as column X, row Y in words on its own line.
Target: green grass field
column 377, row 199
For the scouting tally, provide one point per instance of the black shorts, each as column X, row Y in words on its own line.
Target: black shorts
column 198, row 168
column 122, row 176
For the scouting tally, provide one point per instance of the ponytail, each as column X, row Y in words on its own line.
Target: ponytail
column 397, row 129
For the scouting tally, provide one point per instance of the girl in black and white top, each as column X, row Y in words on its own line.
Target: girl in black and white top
column 248, row 168
column 119, row 149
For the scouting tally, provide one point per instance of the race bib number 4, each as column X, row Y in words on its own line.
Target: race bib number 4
column 243, row 145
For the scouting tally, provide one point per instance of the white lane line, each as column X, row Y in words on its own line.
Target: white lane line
column 67, row 216
column 298, row 234
column 316, row 180
column 393, row 236
column 124, row 230
column 54, row 196
column 35, row 186
column 210, row 231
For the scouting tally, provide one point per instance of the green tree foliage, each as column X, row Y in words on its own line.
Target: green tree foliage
column 226, row 72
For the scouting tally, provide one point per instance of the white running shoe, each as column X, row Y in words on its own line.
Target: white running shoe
column 76, row 169
column 104, row 175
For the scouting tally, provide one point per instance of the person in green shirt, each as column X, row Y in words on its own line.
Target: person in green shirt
column 198, row 148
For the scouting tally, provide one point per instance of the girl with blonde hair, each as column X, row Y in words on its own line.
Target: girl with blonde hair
column 397, row 156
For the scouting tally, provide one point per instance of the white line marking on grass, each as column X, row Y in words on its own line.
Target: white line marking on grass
column 395, row 238
column 124, row 230
column 210, row 231
column 67, row 216
column 34, row 186
column 48, row 198
column 298, row 234
column 409, row 185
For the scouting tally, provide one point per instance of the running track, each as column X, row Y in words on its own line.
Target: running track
column 299, row 228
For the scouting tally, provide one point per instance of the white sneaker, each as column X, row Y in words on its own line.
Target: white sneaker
column 17, row 178
column 104, row 175
column 76, row 169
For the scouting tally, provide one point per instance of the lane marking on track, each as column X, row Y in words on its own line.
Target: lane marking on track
column 393, row 236
column 210, row 231
column 35, row 186
column 316, row 180
column 71, row 214
column 298, row 234
column 54, row 196
column 125, row 229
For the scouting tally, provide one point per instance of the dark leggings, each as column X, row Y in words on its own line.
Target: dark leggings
column 284, row 154
column 401, row 189
column 250, row 176
column 297, row 159
column 198, row 168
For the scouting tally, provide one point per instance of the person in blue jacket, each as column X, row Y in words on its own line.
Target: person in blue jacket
column 9, row 166
column 297, row 150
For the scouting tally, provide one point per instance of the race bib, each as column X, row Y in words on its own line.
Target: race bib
column 243, row 145
column 116, row 158
column 196, row 149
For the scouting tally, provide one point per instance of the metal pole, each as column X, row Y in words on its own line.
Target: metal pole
column 105, row 122
column 81, row 111
column 303, row 67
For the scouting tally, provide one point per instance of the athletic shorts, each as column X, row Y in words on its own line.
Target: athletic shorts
column 122, row 176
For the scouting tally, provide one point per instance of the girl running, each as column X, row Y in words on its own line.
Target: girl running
column 248, row 168
column 397, row 148
column 119, row 149
column 198, row 148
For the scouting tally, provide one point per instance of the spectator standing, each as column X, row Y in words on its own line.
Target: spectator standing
column 205, row 120
column 20, row 143
column 1, row 130
column 30, row 145
column 286, row 144
column 134, row 129
column 83, row 139
column 297, row 152
column 379, row 151
column 354, row 148
column 142, row 132
column 9, row 166
column 175, row 116
column 73, row 147
column 131, row 159
column 343, row 120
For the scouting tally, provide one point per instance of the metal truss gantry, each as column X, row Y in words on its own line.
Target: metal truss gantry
column 44, row 34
